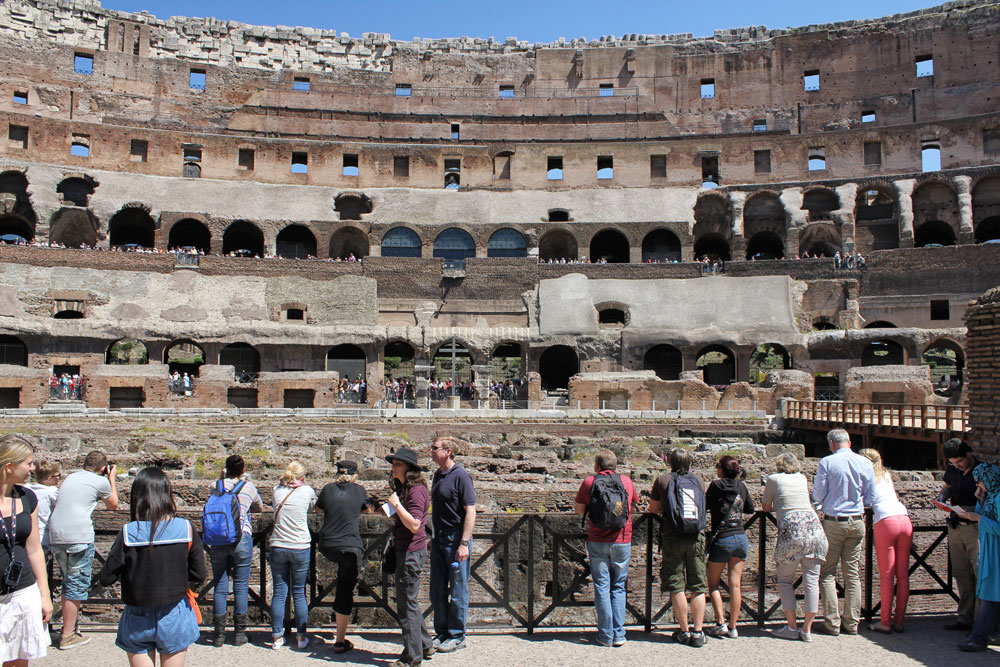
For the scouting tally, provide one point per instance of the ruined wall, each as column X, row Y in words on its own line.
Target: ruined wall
column 983, row 371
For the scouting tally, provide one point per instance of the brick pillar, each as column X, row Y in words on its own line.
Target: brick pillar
column 982, row 374
column 966, row 230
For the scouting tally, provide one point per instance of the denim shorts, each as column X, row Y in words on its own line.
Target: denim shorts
column 76, row 562
column 168, row 628
column 731, row 546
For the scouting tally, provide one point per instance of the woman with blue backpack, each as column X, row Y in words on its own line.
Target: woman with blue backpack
column 228, row 535
column 157, row 556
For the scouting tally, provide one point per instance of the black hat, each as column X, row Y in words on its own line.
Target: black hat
column 406, row 455
column 347, row 468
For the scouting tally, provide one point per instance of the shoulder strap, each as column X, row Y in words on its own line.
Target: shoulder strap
column 282, row 504
column 239, row 486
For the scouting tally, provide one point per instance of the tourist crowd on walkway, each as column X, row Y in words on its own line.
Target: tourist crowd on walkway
column 702, row 539
column 67, row 387
column 180, row 384
column 352, row 391
column 396, row 390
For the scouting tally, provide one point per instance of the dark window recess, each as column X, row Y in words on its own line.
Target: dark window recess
column 611, row 317
column 760, row 125
column 455, row 131
column 558, row 215
column 192, row 154
column 554, row 167
column 350, row 164
column 941, row 310
column 657, row 166
column 501, row 167
column 301, row 84
column 125, row 397
column 925, row 65
column 762, row 162
column 453, row 164
column 246, row 159
column 810, row 79
column 867, row 116
column 873, row 152
column 10, row 398
column 20, row 98
column 196, row 80
column 138, row 150
column 295, row 314
column 17, row 136
column 401, row 166
column 607, row 90
column 605, row 167
column 83, row 63
column 707, row 89
column 403, row 90
column 991, row 141
column 299, row 398
column 241, row 397
column 710, row 169
column 300, row 163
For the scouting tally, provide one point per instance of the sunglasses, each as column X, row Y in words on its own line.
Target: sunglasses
column 437, row 449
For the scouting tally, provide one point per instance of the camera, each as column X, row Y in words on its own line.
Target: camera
column 12, row 576
column 108, row 467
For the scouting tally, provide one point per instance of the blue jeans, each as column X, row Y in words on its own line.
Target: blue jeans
column 449, row 587
column 289, row 566
column 609, row 570
column 232, row 562
column 76, row 561
column 986, row 622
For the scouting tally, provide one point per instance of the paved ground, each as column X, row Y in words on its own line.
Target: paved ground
column 925, row 643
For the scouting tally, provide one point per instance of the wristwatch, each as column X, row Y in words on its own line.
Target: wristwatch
column 465, row 543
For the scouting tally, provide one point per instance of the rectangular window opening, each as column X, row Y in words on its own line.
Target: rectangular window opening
column 554, row 168
column 401, row 166
column 873, row 153
column 246, row 159
column 403, row 90
column 301, row 84
column 762, row 162
column 709, row 171
column 605, row 167
column 17, row 136
column 760, row 125
column 196, row 79
column 20, row 98
column 930, row 156
column 455, row 131
column 867, row 116
column 453, row 164
column 350, row 164
column 138, row 150
column 707, row 89
column 192, row 153
column 657, row 166
column 80, row 145
column 817, row 158
column 940, row 310
column 501, row 167
column 300, row 163
column 83, row 63
column 810, row 79
column 991, row 141
column 607, row 90
column 507, row 92
column 925, row 65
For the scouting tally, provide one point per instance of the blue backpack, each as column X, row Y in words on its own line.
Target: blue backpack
column 220, row 520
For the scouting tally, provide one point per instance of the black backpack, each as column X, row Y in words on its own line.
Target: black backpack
column 685, row 505
column 608, row 507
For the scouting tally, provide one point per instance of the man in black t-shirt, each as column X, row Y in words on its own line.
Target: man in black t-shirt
column 963, row 537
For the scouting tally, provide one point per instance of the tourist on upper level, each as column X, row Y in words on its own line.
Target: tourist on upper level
column 959, row 490
column 680, row 496
column 232, row 562
column 727, row 500
column 71, row 532
column 290, row 549
column 25, row 604
column 454, row 517
column 893, row 537
column 341, row 504
column 607, row 498
column 844, row 485
column 410, row 501
column 801, row 542
column 987, row 515
column 157, row 556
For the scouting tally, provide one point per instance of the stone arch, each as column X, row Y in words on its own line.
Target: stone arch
column 712, row 227
column 401, row 242
column 986, row 208
column 665, row 360
column 76, row 190
column 946, row 358
column 15, row 229
column 184, row 356
column 242, row 238
column 820, row 203
column 764, row 225
column 295, row 242
column 661, row 245
column 768, row 357
column 398, row 358
column 611, row 245
column 348, row 241
column 875, row 201
column 352, row 205
column 73, row 228
column 935, row 201
column 454, row 243
column 556, row 365
column 765, row 245
column 132, row 226
column 557, row 244
column 13, row 351
column 507, row 242
column 880, row 324
column 883, row 353
column 712, row 246
column 465, row 358
column 717, row 364
column 126, row 352
column 243, row 357
column 347, row 360
column 17, row 215
column 507, row 360
column 823, row 323
column 189, row 233
column 820, row 239
column 933, row 233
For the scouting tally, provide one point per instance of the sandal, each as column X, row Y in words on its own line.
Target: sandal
column 343, row 647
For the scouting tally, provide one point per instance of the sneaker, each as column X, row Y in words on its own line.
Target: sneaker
column 429, row 651
column 697, row 639
column 277, row 642
column 733, row 633
column 785, row 632
column 618, row 642
column 971, row 647
column 302, row 641
column 681, row 637
column 73, row 641
column 718, row 631
column 806, row 637
column 449, row 645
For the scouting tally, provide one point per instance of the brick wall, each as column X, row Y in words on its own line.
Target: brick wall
column 982, row 373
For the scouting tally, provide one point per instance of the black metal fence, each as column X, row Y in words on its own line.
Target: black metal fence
column 531, row 570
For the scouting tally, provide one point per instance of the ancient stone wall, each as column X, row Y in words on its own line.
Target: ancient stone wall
column 983, row 319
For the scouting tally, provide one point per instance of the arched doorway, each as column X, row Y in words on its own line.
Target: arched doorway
column 507, row 361
column 661, row 245
column 712, row 247
column 557, row 365
column 20, row 219
column 820, row 240
column 821, row 203
column 398, row 359
column 131, row 228
column 401, row 242
column 934, row 234
column 347, row 360
column 454, row 244
column 188, row 235
column 765, row 245
column 73, row 228
column 244, row 359
column 946, row 360
column 348, row 242
column 15, row 230
column 126, row 352
column 452, row 361
column 988, row 231
column 665, row 360
column 717, row 364
column 295, row 242
column 609, row 246
column 507, row 242
column 557, row 244
column 768, row 357
column 184, row 356
column 243, row 239
column 883, row 353
column 13, row 352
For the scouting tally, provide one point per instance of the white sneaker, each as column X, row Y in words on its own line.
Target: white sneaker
column 303, row 641
column 733, row 634
column 277, row 643
column 785, row 632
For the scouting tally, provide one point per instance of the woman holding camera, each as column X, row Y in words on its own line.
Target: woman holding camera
column 410, row 500
column 728, row 499
column 25, row 605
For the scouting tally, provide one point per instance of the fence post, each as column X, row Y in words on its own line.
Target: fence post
column 531, row 574
column 649, row 572
column 761, row 568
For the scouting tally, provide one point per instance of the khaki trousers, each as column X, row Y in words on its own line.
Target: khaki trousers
column 846, row 539
column 963, row 549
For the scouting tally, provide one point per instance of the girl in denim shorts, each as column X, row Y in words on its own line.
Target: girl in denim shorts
column 157, row 556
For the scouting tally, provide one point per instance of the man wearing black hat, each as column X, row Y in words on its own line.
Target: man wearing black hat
column 341, row 504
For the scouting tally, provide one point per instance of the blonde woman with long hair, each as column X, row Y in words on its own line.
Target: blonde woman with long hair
column 25, row 605
column 893, row 537
column 290, row 549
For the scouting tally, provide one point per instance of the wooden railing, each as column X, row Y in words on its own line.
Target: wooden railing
column 952, row 418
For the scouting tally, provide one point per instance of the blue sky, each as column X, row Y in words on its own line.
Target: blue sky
column 531, row 20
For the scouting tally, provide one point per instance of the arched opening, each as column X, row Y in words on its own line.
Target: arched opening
column 507, row 361
column 556, row 366
column 665, row 360
column 189, row 235
column 558, row 215
column 398, row 360
column 351, row 205
column 612, row 318
column 557, row 244
column 131, row 227
column 717, row 364
column 401, row 242
column 452, row 181
column 126, row 352
column 295, row 242
column 934, row 234
column 765, row 245
column 883, row 353
column 947, row 365
column 874, row 203
column 20, row 219
column 243, row 239
column 768, row 357
column 661, row 245
column 73, row 228
column 184, row 356
column 986, row 209
column 244, row 359
column 822, row 324
column 821, row 203
column 609, row 246
column 880, row 324
column 76, row 191
column 452, row 361
column 347, row 360
column 15, row 230
column 507, row 242
column 712, row 247
column 12, row 351
column 934, row 201
column 988, row 231
column 454, row 243
column 820, row 240
column 347, row 243
column 68, row 315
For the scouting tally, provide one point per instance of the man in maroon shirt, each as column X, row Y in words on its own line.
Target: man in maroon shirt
column 609, row 549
